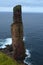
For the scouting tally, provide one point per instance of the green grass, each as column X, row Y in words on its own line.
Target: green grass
column 5, row 60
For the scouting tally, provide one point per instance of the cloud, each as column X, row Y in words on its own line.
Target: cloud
column 25, row 9
column 6, row 9
column 32, row 9
column 33, row 3
column 11, row 3
column 27, row 5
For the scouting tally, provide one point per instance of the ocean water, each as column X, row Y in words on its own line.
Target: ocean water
column 33, row 35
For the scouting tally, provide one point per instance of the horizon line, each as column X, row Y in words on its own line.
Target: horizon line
column 24, row 9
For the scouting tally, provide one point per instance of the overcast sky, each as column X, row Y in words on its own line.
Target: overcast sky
column 27, row 5
column 11, row 3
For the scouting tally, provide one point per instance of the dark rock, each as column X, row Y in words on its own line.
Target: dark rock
column 9, row 48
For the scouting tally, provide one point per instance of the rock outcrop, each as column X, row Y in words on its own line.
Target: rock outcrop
column 17, row 34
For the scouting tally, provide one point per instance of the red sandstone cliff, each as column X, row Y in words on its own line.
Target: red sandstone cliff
column 17, row 34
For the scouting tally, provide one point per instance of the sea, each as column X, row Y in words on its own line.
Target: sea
column 33, row 35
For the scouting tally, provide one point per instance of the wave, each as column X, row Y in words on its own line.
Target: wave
column 27, row 57
column 7, row 41
column 4, row 42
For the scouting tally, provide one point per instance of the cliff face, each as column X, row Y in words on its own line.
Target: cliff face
column 17, row 34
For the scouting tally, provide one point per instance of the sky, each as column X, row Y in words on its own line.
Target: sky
column 27, row 5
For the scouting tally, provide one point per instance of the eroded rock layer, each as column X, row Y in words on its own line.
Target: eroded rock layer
column 17, row 34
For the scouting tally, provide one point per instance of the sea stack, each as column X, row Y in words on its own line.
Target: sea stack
column 17, row 34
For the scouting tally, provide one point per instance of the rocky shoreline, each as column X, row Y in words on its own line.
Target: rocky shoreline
column 9, row 51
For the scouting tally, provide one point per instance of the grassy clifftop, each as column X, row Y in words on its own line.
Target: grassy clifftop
column 5, row 60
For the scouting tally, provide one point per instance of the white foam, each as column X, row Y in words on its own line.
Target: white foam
column 4, row 42
column 24, row 39
column 28, row 56
column 28, row 53
column 7, row 41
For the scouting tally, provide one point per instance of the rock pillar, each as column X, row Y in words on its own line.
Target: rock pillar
column 17, row 34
